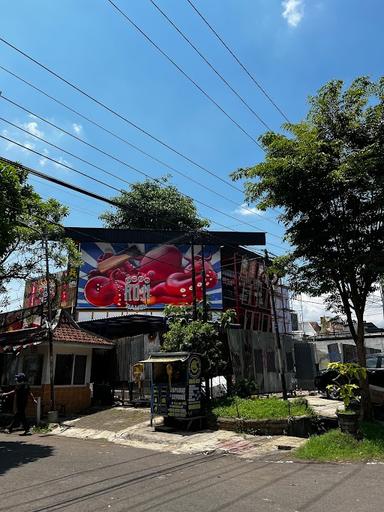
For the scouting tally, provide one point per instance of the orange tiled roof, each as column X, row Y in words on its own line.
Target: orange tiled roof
column 67, row 331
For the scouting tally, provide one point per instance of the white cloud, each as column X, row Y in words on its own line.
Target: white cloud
column 32, row 127
column 77, row 128
column 245, row 210
column 293, row 11
column 62, row 161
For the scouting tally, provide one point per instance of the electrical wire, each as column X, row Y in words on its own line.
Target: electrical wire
column 186, row 176
column 69, row 185
column 57, row 162
column 244, row 102
column 109, row 109
column 258, row 85
column 188, row 77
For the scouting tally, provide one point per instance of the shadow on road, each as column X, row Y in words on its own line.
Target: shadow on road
column 14, row 454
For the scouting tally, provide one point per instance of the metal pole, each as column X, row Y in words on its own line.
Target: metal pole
column 38, row 410
column 49, row 321
column 204, row 285
column 277, row 332
column 193, row 278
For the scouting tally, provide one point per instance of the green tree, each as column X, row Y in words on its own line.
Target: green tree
column 327, row 178
column 24, row 219
column 206, row 338
column 154, row 205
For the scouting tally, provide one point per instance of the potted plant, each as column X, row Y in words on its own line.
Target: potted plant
column 349, row 374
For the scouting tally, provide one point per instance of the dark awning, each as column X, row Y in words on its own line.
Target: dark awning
column 149, row 236
column 14, row 341
column 128, row 325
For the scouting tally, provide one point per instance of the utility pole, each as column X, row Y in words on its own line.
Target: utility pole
column 49, row 322
column 44, row 243
column 204, row 285
column 193, row 277
column 382, row 293
column 277, row 332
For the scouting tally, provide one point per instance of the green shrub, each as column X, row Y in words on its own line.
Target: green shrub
column 245, row 388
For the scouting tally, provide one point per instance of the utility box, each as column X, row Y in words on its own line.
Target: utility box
column 176, row 386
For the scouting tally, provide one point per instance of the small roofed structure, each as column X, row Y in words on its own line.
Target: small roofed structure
column 26, row 350
column 176, row 387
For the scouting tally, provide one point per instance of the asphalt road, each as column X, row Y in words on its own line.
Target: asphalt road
column 47, row 473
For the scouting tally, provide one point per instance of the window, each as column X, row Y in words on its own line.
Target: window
column 247, row 320
column 271, row 366
column 63, row 369
column 267, row 323
column 79, row 370
column 70, row 369
column 256, row 322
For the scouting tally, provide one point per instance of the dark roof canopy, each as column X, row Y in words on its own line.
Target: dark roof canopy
column 128, row 325
column 157, row 237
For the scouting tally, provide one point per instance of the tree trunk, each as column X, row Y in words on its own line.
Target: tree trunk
column 366, row 405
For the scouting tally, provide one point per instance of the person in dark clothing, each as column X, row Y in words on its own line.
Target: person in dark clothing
column 21, row 392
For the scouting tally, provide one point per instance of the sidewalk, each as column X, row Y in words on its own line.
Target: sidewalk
column 324, row 407
column 131, row 427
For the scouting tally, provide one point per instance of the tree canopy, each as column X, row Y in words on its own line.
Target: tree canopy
column 24, row 219
column 205, row 338
column 154, row 205
column 327, row 177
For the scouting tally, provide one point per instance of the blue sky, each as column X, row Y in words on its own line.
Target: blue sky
column 291, row 47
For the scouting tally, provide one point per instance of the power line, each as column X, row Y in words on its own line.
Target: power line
column 57, row 162
column 260, row 119
column 55, row 180
column 66, row 152
column 172, row 240
column 125, row 163
column 86, row 211
column 125, row 141
column 188, row 77
column 109, row 109
column 258, row 85
column 78, row 189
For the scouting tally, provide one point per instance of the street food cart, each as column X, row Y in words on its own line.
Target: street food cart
column 176, row 387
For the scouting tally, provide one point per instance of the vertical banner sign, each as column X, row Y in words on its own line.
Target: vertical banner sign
column 140, row 276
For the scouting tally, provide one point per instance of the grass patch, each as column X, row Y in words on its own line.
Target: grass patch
column 334, row 446
column 261, row 408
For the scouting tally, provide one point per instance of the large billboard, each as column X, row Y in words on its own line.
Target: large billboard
column 146, row 276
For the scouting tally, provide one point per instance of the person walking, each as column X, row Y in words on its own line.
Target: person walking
column 21, row 392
